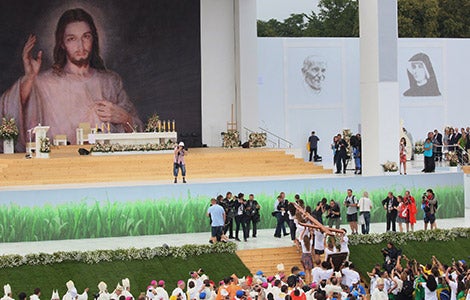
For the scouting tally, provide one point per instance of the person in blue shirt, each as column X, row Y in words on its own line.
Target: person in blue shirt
column 217, row 215
column 429, row 165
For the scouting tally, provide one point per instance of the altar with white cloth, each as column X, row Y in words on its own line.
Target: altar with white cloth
column 133, row 138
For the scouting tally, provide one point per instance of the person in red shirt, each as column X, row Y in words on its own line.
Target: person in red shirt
column 411, row 202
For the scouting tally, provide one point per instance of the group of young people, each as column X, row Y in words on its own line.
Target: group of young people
column 401, row 278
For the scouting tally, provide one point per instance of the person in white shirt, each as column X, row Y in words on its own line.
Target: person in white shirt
column 126, row 288
column 179, row 290
column 344, row 243
column 319, row 245
column 365, row 206
column 7, row 290
column 330, row 249
column 379, row 293
column 452, row 285
column 349, row 274
column 161, row 292
column 430, row 287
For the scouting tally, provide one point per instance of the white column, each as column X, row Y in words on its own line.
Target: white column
column 246, row 73
column 379, row 85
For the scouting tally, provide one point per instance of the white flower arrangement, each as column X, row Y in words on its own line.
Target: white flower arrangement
column 153, row 124
column 390, row 166
column 419, row 147
column 8, row 129
column 452, row 158
column 45, row 145
column 100, row 147
column 401, row 238
column 231, row 139
column 257, row 139
column 97, row 256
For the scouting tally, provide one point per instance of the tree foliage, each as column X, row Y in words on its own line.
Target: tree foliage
column 340, row 18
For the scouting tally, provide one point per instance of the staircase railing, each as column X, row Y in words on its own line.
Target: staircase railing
column 280, row 140
column 272, row 143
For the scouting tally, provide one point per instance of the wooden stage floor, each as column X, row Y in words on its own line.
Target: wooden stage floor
column 66, row 166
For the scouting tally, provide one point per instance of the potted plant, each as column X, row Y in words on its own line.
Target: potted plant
column 9, row 133
column 453, row 159
column 257, row 139
column 44, row 149
column 231, row 139
column 390, row 166
column 418, row 151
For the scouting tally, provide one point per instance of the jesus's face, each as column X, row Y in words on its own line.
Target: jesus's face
column 78, row 43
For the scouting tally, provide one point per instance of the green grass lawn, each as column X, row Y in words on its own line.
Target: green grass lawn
column 365, row 256
column 140, row 273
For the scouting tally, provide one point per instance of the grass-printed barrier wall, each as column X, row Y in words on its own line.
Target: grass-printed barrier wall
column 109, row 217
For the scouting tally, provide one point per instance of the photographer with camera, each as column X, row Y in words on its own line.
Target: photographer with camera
column 178, row 162
column 351, row 203
column 334, row 214
column 228, row 203
column 391, row 254
column 429, row 205
column 390, row 204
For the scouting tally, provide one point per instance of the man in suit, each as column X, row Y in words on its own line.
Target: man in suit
column 437, row 142
column 340, row 154
column 240, row 217
column 390, row 204
column 252, row 214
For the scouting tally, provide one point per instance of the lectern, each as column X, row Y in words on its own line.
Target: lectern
column 40, row 133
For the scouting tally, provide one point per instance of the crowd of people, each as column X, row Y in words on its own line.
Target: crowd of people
column 437, row 145
column 401, row 278
column 230, row 214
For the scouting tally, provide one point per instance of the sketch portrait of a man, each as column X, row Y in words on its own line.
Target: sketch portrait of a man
column 421, row 76
column 314, row 70
column 77, row 88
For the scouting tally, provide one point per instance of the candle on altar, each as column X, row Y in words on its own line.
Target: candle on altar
column 164, row 125
column 102, row 127
column 159, row 125
column 173, row 123
column 96, row 127
column 109, row 128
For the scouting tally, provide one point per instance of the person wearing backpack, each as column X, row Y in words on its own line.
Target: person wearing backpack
column 429, row 204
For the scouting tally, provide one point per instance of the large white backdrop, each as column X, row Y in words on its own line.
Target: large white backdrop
column 307, row 84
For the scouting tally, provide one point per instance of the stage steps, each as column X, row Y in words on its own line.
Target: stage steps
column 67, row 166
column 267, row 259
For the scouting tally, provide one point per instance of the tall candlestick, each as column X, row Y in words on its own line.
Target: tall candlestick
column 159, row 124
column 96, row 127
column 164, row 125
column 102, row 127
column 173, row 123
column 109, row 128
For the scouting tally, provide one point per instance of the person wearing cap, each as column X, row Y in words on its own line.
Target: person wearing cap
column 103, row 293
column 116, row 293
column 178, row 292
column 7, row 290
column 126, row 288
column 240, row 294
column 178, row 162
column 379, row 293
column 217, row 215
column 161, row 292
column 72, row 293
